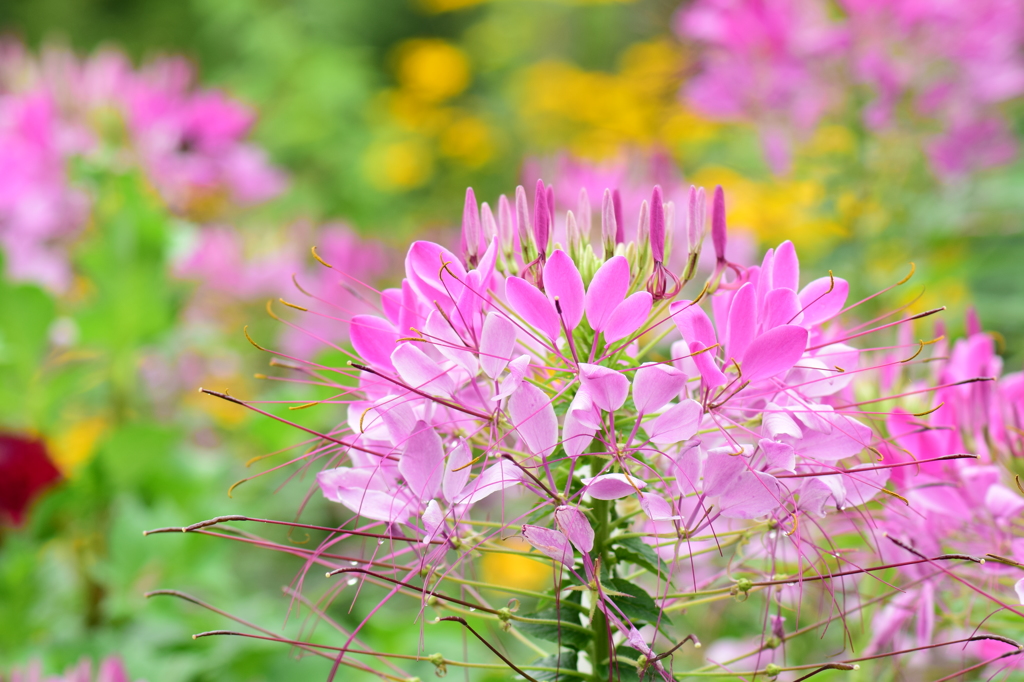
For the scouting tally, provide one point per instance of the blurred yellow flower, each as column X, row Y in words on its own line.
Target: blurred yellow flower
column 515, row 570
column 431, row 69
column 469, row 140
column 596, row 113
column 775, row 210
column 74, row 447
column 396, row 166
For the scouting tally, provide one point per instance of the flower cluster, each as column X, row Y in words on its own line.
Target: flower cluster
column 190, row 143
column 110, row 670
column 662, row 453
column 784, row 64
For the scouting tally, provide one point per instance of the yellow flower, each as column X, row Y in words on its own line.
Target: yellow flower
column 75, row 447
column 431, row 69
column 396, row 166
column 515, row 570
column 469, row 140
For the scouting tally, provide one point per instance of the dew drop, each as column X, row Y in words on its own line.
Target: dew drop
column 352, row 581
column 380, row 542
column 353, row 563
column 472, row 608
column 772, row 534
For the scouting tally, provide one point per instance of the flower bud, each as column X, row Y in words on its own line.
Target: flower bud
column 620, row 223
column 657, row 227
column 583, row 214
column 470, row 242
column 609, row 227
column 488, row 226
column 527, row 244
column 542, row 218
column 506, row 229
column 718, row 229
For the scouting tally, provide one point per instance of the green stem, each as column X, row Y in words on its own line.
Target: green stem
column 599, row 623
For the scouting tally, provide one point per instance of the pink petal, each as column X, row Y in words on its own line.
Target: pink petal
column 573, row 523
column 423, row 268
column 654, row 384
column 722, row 471
column 562, row 280
column 742, row 322
column 779, row 455
column 657, row 507
column 688, row 468
column 781, row 306
column 534, row 307
column 693, row 323
column 534, row 418
column 444, row 339
column 374, row 339
column 433, row 521
column 712, row 376
column 422, row 463
column 549, row 542
column 398, row 417
column 677, row 424
column 628, row 317
column 606, row 387
column 774, row 352
column 365, row 493
column 420, row 372
column 516, row 372
column 611, row 486
column 456, row 471
column 817, row 305
column 391, row 302
column 754, row 494
column 496, row 344
column 1018, row 587
column 607, row 290
column 582, row 420
column 786, row 268
column 494, row 478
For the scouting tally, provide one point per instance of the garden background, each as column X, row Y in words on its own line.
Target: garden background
column 130, row 271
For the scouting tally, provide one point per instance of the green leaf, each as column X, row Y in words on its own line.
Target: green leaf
column 554, row 632
column 636, row 551
column 638, row 606
column 563, row 661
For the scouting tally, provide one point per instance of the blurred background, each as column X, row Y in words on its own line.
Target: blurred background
column 165, row 168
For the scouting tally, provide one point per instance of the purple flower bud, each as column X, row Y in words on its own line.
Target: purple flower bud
column 657, row 225
column 718, row 224
column 488, row 226
column 620, row 224
column 643, row 228
column 523, row 222
column 583, row 213
column 608, row 225
column 470, row 243
column 541, row 218
column 695, row 219
column 574, row 524
column 573, row 233
column 506, row 225
column 551, row 204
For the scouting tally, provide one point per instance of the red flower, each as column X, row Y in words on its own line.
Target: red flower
column 25, row 471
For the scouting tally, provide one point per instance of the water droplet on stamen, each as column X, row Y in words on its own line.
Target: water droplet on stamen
column 352, row 581
column 381, row 541
column 472, row 608
column 353, row 563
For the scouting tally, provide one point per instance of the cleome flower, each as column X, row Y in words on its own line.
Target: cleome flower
column 661, row 445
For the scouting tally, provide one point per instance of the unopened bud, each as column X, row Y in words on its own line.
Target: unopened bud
column 609, row 227
column 527, row 244
column 574, row 236
column 439, row 663
column 643, row 238
column 470, row 229
column 488, row 225
column 718, row 229
column 772, row 670
column 620, row 223
column 657, row 226
column 541, row 218
column 583, row 214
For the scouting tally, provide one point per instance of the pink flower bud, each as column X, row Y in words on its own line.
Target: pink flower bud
column 718, row 230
